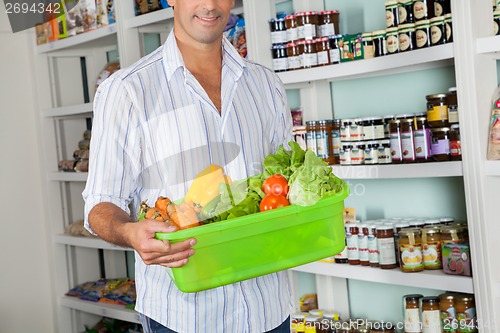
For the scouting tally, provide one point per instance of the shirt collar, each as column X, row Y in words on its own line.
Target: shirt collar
column 172, row 57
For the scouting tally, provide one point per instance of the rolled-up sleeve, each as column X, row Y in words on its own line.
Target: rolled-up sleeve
column 114, row 148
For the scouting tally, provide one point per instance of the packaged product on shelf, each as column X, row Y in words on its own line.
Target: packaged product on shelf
column 423, row 9
column 438, row 30
column 449, row 28
column 351, row 47
column 110, row 68
column 100, row 288
column 494, row 128
column 405, row 11
column 442, row 7
column 407, row 39
column 291, row 28
column 410, row 250
column 123, row 294
column 146, row 6
column 308, row 302
column 412, row 322
column 88, row 14
column 392, row 40
column 278, row 31
column 448, row 311
column 102, row 13
column 379, row 43
column 368, row 47
column 299, row 134
column 41, row 31
column 111, row 12
column 77, row 229
column 455, row 145
column 423, row 34
column 329, row 23
column 456, row 259
column 74, row 19
column 431, row 316
column 496, row 22
column 391, row 14
column 238, row 37
column 62, row 30
column 466, row 313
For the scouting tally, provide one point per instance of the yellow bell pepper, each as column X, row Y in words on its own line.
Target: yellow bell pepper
column 205, row 186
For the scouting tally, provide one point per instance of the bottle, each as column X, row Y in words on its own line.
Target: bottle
column 373, row 252
column 431, row 316
column 364, row 254
column 412, row 322
column 410, row 249
column 455, row 147
column 311, row 143
column 386, row 247
column 447, row 309
column 352, row 239
column 466, row 313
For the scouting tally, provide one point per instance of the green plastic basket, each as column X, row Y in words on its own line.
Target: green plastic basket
column 261, row 243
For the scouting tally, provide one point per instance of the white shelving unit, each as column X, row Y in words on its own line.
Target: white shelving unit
column 473, row 54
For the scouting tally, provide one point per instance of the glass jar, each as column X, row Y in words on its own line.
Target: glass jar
column 422, row 136
column 368, row 47
column 405, row 11
column 294, row 56
column 357, row 153
column 437, row 110
column 280, row 60
column 386, row 120
column 334, row 49
column 391, row 13
column 422, row 34
column 345, row 130
column 407, row 140
column 455, row 147
column 431, row 245
column 307, row 24
column 431, row 316
column 311, row 128
column 395, row 139
column 352, row 231
column 384, row 153
column 364, row 255
column 412, row 323
column 452, row 101
column 442, row 7
column 386, row 247
column 379, row 43
column 449, row 28
column 323, row 140
column 291, row 28
column 323, row 51
column 300, row 136
column 438, row 30
column 335, row 135
column 373, row 128
column 446, row 220
column 297, row 321
column 410, row 249
column 496, row 22
column 345, row 153
column 329, row 23
column 448, row 312
column 371, row 152
column 310, row 55
column 407, row 39
column 373, row 252
column 392, row 40
column 423, row 9
column 452, row 234
column 440, row 144
column 310, row 324
column 278, row 31
column 356, row 130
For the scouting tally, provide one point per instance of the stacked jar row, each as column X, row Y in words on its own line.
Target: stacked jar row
column 399, row 12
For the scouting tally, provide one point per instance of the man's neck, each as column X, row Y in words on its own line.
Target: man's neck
column 201, row 58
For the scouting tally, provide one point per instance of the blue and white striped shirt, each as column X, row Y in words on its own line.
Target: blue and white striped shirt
column 154, row 129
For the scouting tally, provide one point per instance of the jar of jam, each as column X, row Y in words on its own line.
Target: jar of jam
column 452, row 234
column 496, row 22
column 298, row 321
column 452, row 101
column 278, row 31
column 442, row 7
column 455, row 147
column 323, row 140
column 357, row 153
column 423, row 34
column 448, row 312
column 291, row 28
column 311, row 128
column 392, row 40
column 293, row 55
column 386, row 120
column 356, row 130
column 407, row 140
column 371, row 152
column 437, row 110
column 329, row 23
column 310, row 324
column 384, row 153
column 345, row 130
column 395, row 139
column 379, row 43
column 407, row 37
column 423, row 9
column 440, row 144
column 280, row 59
column 431, row 316
column 410, row 249
column 386, row 247
column 307, row 24
column 449, row 28
column 345, row 153
column 412, row 323
column 438, row 30
column 364, row 255
column 373, row 128
column 323, row 51
column 422, row 137
column 373, row 252
column 431, row 244
column 405, row 11
column 334, row 48
column 335, row 135
column 368, row 47
column 310, row 55
column 300, row 136
column 391, row 13
column 352, row 239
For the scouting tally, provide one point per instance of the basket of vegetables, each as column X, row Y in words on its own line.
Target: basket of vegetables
column 289, row 215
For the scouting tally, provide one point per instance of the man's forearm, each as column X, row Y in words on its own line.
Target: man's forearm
column 110, row 222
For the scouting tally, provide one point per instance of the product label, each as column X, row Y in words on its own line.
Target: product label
column 422, row 143
column 437, row 113
column 309, row 31
column 378, row 132
column 412, row 321
column 292, row 34
column 395, row 146
column 372, row 249
column 278, row 37
column 455, row 148
column 336, row 142
column 402, row 14
column 432, row 255
column 298, row 327
column 404, row 42
column 363, row 248
column 368, row 132
column 300, row 32
column 309, row 328
column 310, row 59
column 448, row 32
column 280, row 64
column 345, row 156
column 392, row 44
column 295, row 62
column 352, row 246
column 449, row 322
column 323, row 58
column 356, row 132
column 357, row 155
column 327, row 29
column 371, row 156
column 495, row 27
column 467, row 321
column 311, row 142
column 407, row 146
column 453, row 114
column 438, row 9
column 436, row 34
column 384, row 155
column 439, row 147
column 335, row 56
column 431, row 321
column 387, row 251
column 419, row 10
column 322, row 144
column 389, row 18
column 411, row 256
column 421, row 38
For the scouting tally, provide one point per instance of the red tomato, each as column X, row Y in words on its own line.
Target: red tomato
column 275, row 184
column 272, row 201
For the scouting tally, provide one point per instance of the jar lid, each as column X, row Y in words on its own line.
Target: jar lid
column 316, row 312
column 346, row 145
column 416, row 222
column 313, row 12
column 311, row 122
column 310, row 41
column 299, row 315
column 372, row 142
column 446, row 219
column 496, row 13
column 402, row 225
column 322, row 122
column 300, row 42
column 433, row 221
column 405, row 2
column 330, row 315
column 394, row 121
column 312, row 318
column 291, row 44
column 359, row 144
column 405, row 116
column 447, row 296
column 289, row 17
column 366, row 34
column 413, row 296
column 300, row 13
column 378, row 33
column 385, row 227
column 322, row 39
column 328, row 12
column 390, row 3
column 440, row 95
column 336, row 121
column 452, row 89
column 299, row 128
column 352, row 225
column 430, row 299
column 409, row 231
column 391, row 30
column 385, row 141
column 420, row 114
column 436, row 227
column 447, row 229
column 422, row 22
column 345, row 121
column 389, row 116
column 437, row 19
column 448, row 16
column 440, row 129
column 455, row 126
column 406, row 26
column 278, row 46
column 465, row 297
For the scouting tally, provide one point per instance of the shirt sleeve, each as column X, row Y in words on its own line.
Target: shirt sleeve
column 114, row 148
column 284, row 129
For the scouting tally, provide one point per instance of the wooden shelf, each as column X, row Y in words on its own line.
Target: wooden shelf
column 396, row 171
column 427, row 279
column 80, row 40
column 61, row 176
column 72, row 110
column 492, row 168
column 432, row 57
column 102, row 309
column 89, row 242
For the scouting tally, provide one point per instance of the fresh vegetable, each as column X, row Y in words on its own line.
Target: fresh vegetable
column 273, row 201
column 182, row 216
column 275, row 184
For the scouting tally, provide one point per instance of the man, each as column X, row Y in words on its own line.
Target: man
column 192, row 102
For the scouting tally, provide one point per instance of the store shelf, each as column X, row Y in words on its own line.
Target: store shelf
column 102, row 309
column 103, row 35
column 489, row 44
column 61, row 176
column 432, row 57
column 90, row 242
column 425, row 279
column 72, row 110
column 395, row 171
column 492, row 168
